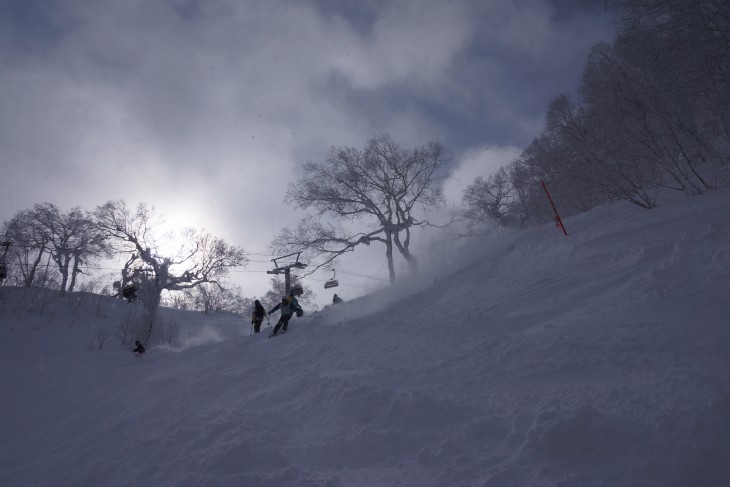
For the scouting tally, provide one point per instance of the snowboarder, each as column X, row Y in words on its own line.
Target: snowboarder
column 288, row 306
column 257, row 317
column 336, row 299
column 139, row 349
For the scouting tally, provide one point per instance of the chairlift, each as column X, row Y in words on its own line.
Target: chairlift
column 332, row 282
column 294, row 289
column 129, row 292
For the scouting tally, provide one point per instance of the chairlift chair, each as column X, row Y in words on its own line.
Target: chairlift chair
column 332, row 282
column 130, row 292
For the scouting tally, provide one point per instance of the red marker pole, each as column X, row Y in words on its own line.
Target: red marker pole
column 558, row 221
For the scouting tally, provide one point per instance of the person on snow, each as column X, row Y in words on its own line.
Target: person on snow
column 139, row 350
column 288, row 306
column 257, row 317
column 336, row 299
column 297, row 309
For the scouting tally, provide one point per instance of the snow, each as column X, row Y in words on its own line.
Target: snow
column 597, row 359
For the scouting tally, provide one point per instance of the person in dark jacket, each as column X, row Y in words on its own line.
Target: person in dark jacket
column 257, row 317
column 336, row 299
column 288, row 306
column 139, row 349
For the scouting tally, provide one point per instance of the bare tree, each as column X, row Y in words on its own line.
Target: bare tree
column 211, row 298
column 674, row 56
column 200, row 258
column 641, row 118
column 654, row 112
column 28, row 246
column 609, row 156
column 488, row 198
column 71, row 238
column 378, row 190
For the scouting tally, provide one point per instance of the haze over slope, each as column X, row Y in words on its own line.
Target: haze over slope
column 597, row 359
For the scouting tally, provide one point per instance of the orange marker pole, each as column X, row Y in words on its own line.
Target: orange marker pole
column 558, row 221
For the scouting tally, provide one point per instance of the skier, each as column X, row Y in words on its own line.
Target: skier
column 288, row 306
column 336, row 299
column 257, row 317
column 139, row 350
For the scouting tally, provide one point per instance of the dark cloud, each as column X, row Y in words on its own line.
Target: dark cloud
column 31, row 28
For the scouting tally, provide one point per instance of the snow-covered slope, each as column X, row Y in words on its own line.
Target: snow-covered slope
column 602, row 358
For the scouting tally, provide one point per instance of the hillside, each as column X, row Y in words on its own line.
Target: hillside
column 600, row 359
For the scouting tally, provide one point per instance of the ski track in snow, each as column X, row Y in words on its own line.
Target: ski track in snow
column 600, row 359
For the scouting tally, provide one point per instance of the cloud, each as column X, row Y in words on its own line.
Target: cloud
column 410, row 43
column 207, row 110
column 475, row 162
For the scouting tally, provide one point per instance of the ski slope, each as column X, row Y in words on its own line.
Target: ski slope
column 600, row 359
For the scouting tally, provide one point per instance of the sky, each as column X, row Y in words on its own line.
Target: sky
column 208, row 110
column 530, row 359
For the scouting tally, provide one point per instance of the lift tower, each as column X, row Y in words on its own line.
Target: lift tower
column 285, row 269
